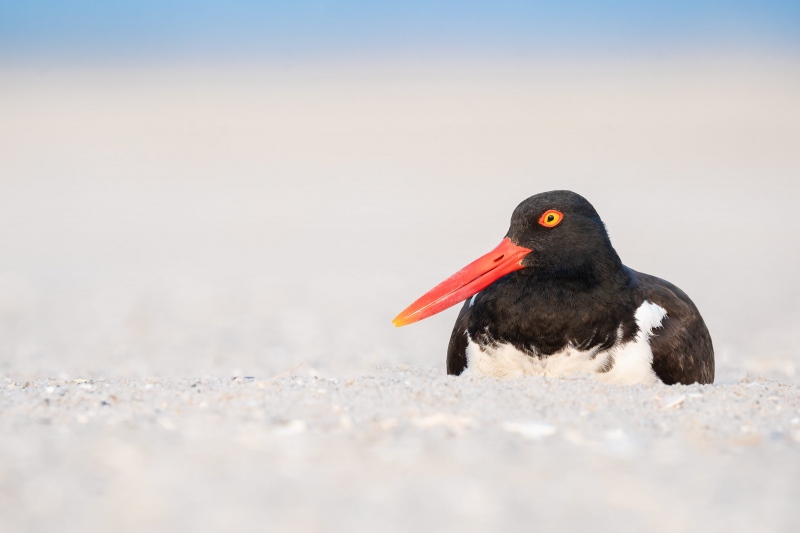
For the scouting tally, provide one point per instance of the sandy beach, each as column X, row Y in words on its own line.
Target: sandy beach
column 402, row 450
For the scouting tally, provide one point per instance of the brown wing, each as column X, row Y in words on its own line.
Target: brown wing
column 457, row 349
column 682, row 349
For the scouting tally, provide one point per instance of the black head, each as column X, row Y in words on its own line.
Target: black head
column 565, row 234
column 557, row 245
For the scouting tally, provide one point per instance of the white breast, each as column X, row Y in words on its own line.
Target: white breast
column 629, row 362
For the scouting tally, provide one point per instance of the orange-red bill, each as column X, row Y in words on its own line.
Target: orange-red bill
column 468, row 281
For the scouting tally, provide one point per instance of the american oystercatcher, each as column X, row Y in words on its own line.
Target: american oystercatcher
column 554, row 299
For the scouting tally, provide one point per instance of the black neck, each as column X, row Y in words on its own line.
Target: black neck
column 543, row 308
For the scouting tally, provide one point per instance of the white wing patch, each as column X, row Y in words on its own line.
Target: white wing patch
column 632, row 361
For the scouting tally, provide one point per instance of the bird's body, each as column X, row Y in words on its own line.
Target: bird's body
column 554, row 299
column 646, row 330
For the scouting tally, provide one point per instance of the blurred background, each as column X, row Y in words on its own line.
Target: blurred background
column 239, row 188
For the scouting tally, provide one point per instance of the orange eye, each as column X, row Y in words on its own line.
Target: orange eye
column 551, row 218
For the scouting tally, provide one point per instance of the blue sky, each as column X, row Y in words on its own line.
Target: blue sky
column 241, row 28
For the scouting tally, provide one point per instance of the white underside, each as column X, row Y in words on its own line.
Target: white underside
column 630, row 362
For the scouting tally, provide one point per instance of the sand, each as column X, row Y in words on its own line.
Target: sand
column 404, row 450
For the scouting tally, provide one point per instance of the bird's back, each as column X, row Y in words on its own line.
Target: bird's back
column 682, row 348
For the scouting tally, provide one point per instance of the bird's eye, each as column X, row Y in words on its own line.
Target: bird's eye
column 551, row 218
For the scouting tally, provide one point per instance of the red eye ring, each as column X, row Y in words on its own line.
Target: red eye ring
column 551, row 218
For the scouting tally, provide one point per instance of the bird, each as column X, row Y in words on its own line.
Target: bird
column 554, row 299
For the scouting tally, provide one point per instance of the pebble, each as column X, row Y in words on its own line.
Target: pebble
column 456, row 423
column 532, row 430
column 673, row 402
column 293, row 427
